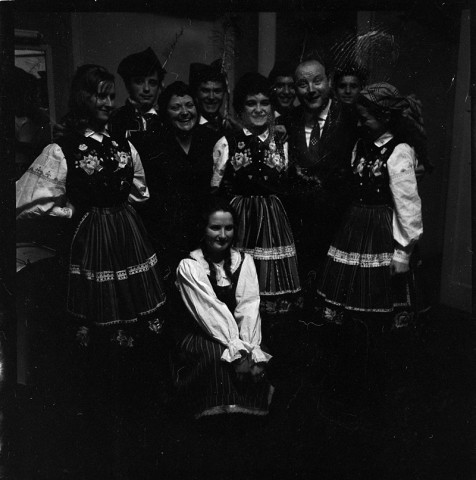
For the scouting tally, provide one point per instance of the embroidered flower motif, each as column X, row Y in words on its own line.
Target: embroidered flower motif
column 377, row 168
column 241, row 145
column 156, row 325
column 274, row 160
column 360, row 167
column 402, row 319
column 122, row 159
column 272, row 146
column 82, row 336
column 90, row 164
column 240, row 160
column 114, row 143
column 122, row 340
column 333, row 316
column 83, row 147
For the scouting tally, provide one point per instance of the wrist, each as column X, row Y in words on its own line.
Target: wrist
column 400, row 255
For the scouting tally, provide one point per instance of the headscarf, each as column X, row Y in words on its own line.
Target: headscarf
column 387, row 97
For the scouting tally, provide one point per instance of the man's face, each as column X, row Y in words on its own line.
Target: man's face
column 348, row 88
column 284, row 91
column 210, row 97
column 145, row 90
column 312, row 86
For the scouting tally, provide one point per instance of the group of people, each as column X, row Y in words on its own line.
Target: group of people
column 198, row 224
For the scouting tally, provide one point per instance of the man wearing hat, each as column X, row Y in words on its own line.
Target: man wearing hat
column 208, row 82
column 138, row 120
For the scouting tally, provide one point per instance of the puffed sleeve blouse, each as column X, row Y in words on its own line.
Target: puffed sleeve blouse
column 42, row 189
column 238, row 331
column 407, row 216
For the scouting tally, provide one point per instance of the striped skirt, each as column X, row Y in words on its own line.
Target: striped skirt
column 210, row 386
column 113, row 274
column 356, row 275
column 265, row 233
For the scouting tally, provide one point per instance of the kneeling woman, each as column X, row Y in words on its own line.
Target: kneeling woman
column 220, row 364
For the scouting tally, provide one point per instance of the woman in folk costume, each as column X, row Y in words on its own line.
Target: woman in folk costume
column 94, row 179
column 251, row 165
column 219, row 366
column 366, row 283
column 367, row 269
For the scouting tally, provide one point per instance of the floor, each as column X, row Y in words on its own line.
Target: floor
column 331, row 418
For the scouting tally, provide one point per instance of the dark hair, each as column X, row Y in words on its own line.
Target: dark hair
column 350, row 71
column 281, row 69
column 217, row 204
column 141, row 64
column 249, row 84
column 86, row 82
column 176, row 88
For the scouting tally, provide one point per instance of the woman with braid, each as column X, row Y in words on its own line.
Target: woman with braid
column 220, row 363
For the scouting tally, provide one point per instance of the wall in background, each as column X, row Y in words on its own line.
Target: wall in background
column 106, row 38
column 426, row 66
column 428, row 47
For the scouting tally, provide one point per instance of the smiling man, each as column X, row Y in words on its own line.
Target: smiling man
column 138, row 119
column 283, row 91
column 321, row 137
column 208, row 83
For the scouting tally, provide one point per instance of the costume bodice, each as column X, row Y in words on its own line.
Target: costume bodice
column 370, row 182
column 100, row 174
column 256, row 167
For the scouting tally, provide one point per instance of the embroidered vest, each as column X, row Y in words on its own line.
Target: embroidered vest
column 370, row 174
column 255, row 167
column 99, row 174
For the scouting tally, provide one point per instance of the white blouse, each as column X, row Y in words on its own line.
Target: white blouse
column 239, row 331
column 42, row 188
column 407, row 217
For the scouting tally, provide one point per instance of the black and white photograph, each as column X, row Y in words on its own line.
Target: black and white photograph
column 243, row 240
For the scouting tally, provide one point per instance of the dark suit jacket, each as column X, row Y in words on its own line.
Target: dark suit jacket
column 127, row 122
column 332, row 159
column 319, row 180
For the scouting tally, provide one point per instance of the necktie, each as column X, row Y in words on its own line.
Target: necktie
column 314, row 140
column 315, row 135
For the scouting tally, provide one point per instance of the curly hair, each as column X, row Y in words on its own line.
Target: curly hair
column 176, row 88
column 88, row 80
column 249, row 84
